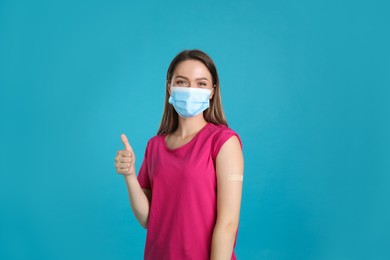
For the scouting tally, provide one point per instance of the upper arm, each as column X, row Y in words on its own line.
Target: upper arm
column 229, row 161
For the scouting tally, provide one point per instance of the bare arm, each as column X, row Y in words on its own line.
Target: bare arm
column 230, row 170
column 139, row 198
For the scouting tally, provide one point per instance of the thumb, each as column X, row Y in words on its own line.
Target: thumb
column 126, row 142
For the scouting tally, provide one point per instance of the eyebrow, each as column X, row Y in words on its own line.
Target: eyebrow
column 202, row 78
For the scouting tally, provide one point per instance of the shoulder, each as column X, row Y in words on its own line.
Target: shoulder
column 154, row 141
column 229, row 148
column 222, row 134
column 219, row 129
column 155, row 138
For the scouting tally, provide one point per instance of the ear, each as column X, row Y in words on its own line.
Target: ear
column 212, row 92
column 168, row 87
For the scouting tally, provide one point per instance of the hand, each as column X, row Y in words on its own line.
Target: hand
column 125, row 159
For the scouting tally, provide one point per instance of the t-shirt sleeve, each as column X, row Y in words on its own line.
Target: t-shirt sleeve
column 220, row 138
column 143, row 174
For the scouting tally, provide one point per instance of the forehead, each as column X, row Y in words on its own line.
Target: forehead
column 191, row 69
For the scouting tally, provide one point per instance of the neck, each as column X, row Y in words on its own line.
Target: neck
column 190, row 126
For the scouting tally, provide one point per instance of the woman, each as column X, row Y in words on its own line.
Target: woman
column 188, row 191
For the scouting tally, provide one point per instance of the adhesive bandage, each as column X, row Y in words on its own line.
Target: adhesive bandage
column 235, row 177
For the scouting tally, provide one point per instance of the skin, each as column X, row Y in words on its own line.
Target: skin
column 193, row 73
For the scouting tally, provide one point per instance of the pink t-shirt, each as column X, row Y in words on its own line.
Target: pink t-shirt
column 184, row 195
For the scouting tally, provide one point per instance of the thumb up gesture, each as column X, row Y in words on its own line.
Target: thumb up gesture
column 125, row 159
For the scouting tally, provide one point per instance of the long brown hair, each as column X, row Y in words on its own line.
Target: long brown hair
column 214, row 114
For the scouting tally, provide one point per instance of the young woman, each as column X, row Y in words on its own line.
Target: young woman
column 188, row 191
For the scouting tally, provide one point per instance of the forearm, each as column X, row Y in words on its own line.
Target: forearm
column 138, row 200
column 223, row 241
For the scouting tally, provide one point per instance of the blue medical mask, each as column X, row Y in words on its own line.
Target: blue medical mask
column 188, row 101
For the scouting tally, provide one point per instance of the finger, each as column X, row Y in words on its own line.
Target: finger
column 122, row 167
column 126, row 142
column 124, row 159
column 124, row 153
column 119, row 165
column 124, row 171
column 121, row 171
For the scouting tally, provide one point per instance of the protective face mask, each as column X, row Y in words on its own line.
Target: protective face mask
column 189, row 102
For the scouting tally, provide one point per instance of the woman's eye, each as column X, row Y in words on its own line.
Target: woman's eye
column 203, row 84
column 181, row 82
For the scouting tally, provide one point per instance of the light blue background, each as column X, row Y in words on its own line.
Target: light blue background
column 304, row 83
